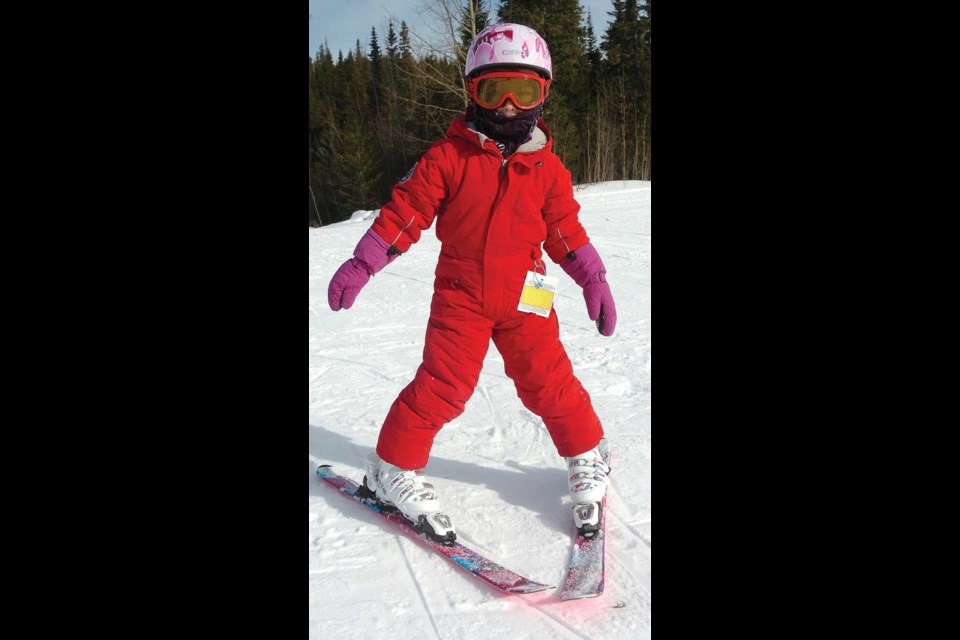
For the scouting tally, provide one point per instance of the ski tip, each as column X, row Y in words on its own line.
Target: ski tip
column 325, row 471
column 578, row 596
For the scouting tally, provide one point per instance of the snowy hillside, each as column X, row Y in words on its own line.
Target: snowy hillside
column 495, row 467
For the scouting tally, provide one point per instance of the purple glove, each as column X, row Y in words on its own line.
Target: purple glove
column 370, row 256
column 587, row 270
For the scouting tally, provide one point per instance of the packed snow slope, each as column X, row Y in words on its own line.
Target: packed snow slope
column 495, row 467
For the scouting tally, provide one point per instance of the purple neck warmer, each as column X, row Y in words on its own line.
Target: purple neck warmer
column 508, row 133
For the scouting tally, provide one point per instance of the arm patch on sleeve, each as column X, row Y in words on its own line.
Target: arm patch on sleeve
column 409, row 173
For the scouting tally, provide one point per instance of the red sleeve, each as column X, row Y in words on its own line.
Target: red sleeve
column 414, row 201
column 564, row 231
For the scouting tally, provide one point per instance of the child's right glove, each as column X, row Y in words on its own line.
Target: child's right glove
column 587, row 270
column 370, row 256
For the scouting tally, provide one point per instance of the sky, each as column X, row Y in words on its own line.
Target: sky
column 495, row 468
column 340, row 23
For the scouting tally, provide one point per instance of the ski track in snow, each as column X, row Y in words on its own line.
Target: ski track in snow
column 496, row 469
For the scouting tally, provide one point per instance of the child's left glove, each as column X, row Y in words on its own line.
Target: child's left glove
column 370, row 256
column 587, row 270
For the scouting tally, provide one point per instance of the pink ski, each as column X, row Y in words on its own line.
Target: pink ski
column 585, row 573
column 470, row 561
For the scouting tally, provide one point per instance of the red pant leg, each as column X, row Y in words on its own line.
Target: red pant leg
column 537, row 363
column 455, row 345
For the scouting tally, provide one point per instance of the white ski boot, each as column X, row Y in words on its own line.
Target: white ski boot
column 588, row 485
column 406, row 491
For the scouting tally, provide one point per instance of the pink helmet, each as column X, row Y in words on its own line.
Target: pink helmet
column 509, row 45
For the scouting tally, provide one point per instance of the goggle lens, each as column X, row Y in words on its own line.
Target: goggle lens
column 492, row 92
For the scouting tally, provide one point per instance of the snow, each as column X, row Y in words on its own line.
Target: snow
column 495, row 467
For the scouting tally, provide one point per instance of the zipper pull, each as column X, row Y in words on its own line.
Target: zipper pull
column 503, row 165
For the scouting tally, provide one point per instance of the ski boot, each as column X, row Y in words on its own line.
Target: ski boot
column 588, row 485
column 406, row 492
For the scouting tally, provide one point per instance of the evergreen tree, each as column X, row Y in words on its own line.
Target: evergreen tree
column 474, row 18
column 594, row 56
column 349, row 152
column 646, row 131
column 374, row 47
column 628, row 75
column 356, row 171
column 594, row 132
column 391, row 43
column 323, row 90
column 390, row 121
column 405, row 51
column 376, row 72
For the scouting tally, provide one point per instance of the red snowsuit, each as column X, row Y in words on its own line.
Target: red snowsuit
column 492, row 216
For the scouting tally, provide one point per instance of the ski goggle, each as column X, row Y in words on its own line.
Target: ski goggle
column 491, row 89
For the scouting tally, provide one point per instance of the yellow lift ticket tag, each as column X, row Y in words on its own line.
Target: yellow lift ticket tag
column 537, row 294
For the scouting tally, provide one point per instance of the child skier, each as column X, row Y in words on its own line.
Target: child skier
column 499, row 194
